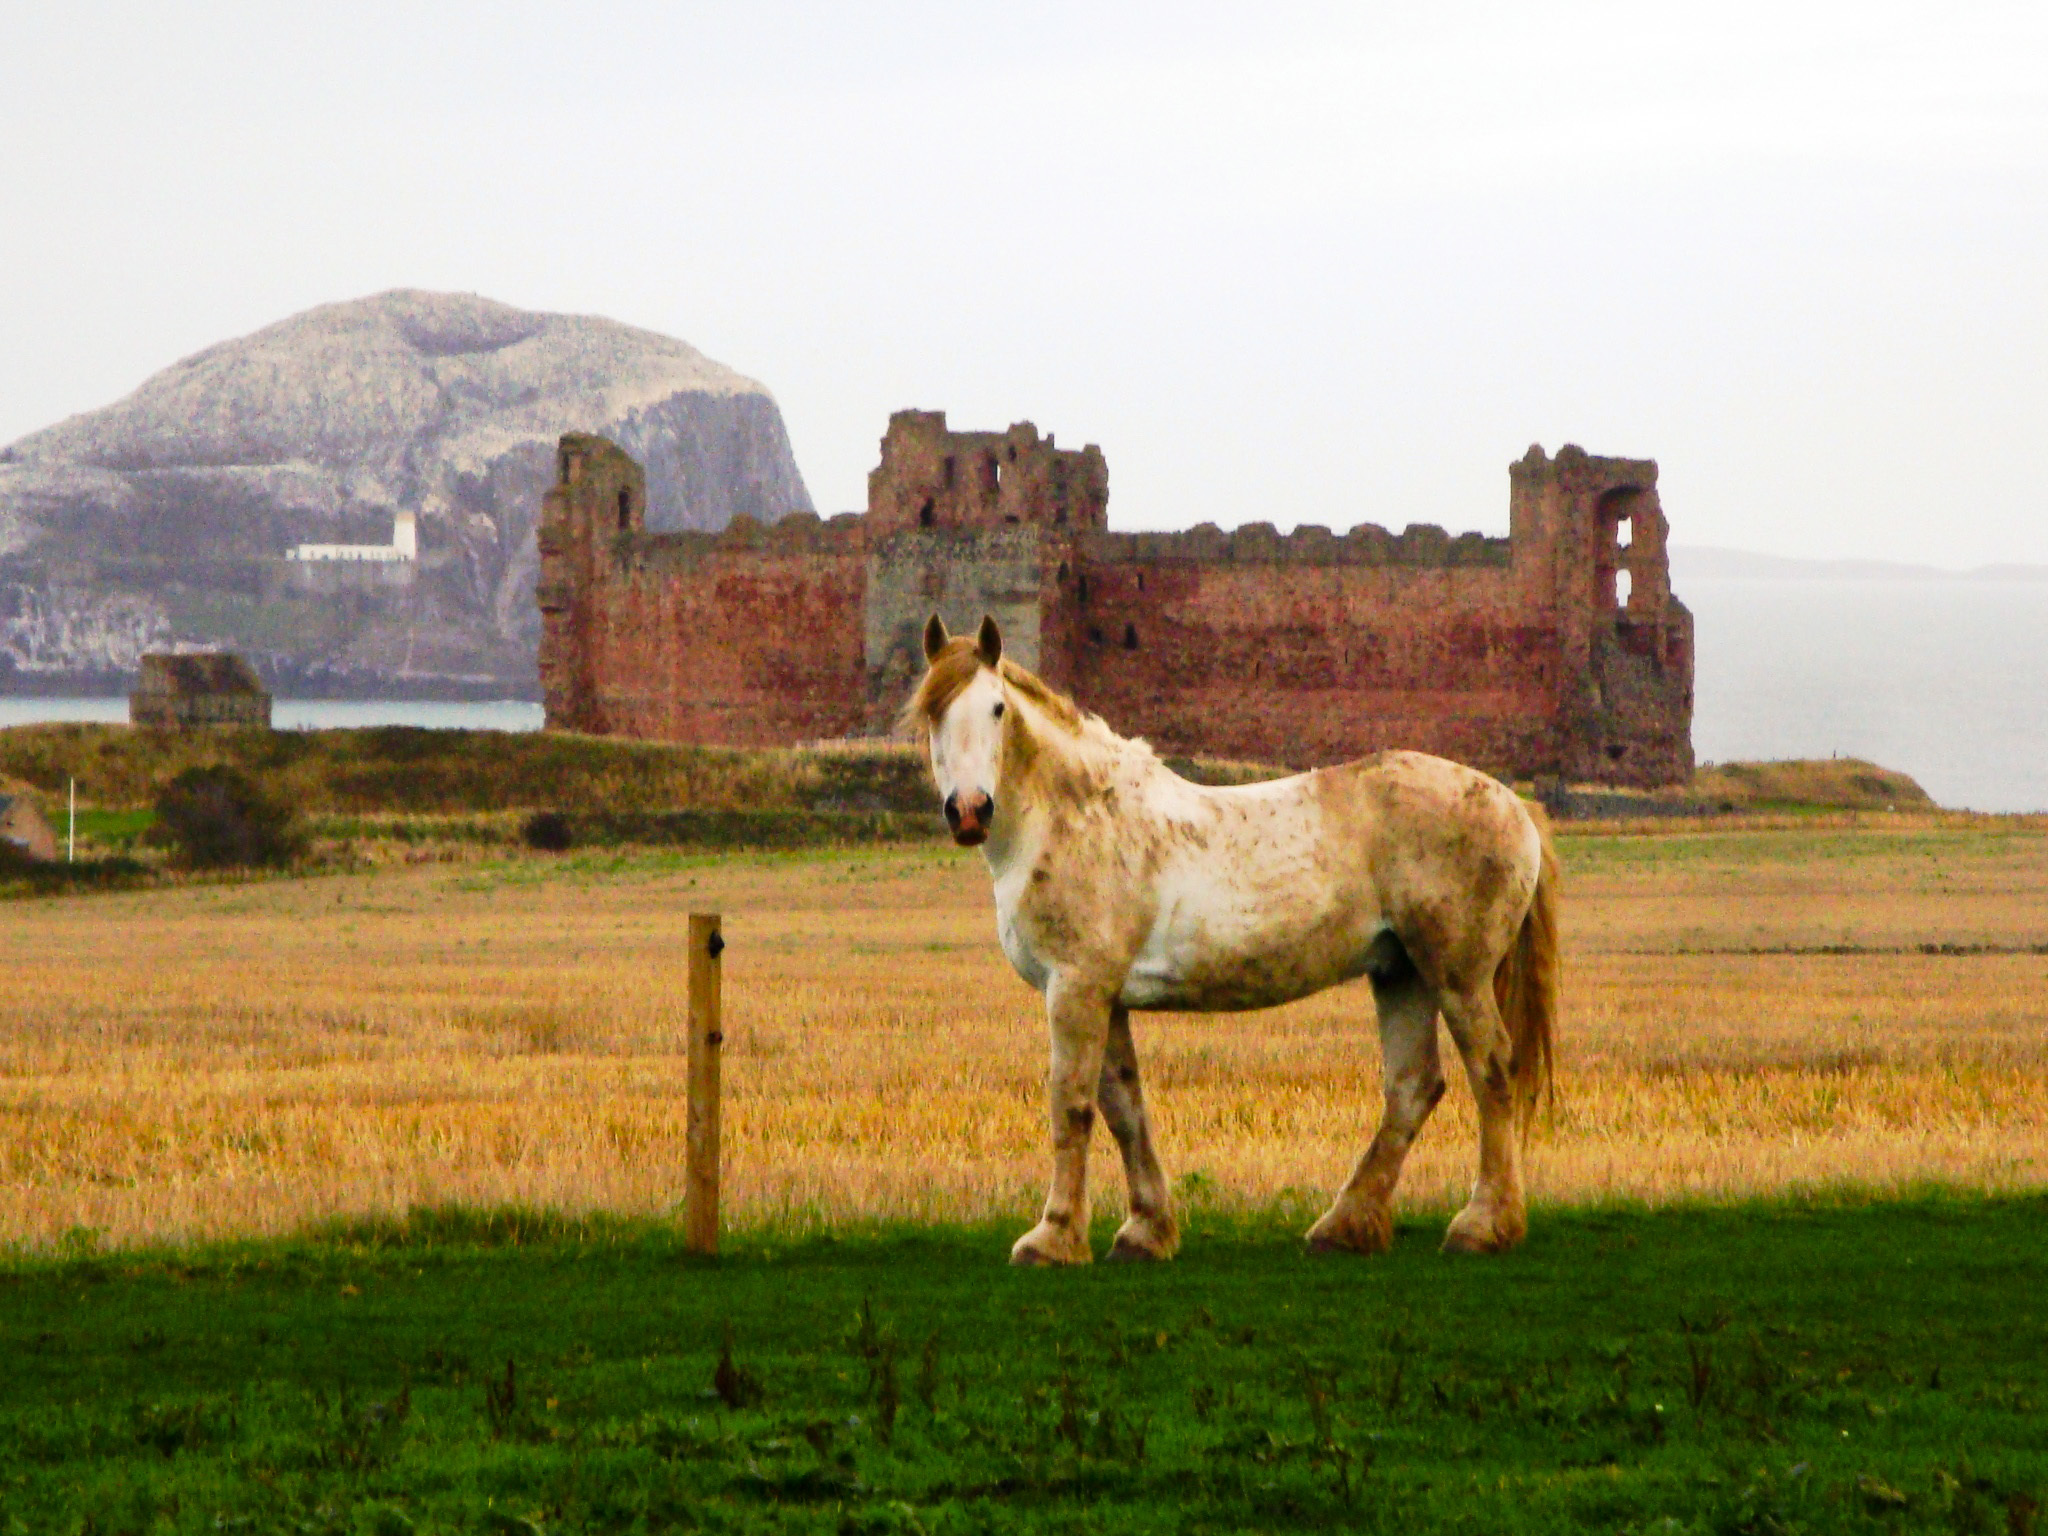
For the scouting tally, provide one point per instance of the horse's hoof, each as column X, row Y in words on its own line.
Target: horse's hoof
column 1048, row 1244
column 1142, row 1243
column 1369, row 1233
column 1474, row 1231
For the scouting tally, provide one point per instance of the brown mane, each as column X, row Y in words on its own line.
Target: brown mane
column 957, row 665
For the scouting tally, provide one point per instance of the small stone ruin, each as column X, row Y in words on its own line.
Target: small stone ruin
column 198, row 688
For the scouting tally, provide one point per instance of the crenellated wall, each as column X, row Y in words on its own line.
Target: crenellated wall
column 749, row 637
column 1517, row 654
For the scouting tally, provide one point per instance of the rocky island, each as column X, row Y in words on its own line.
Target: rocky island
column 349, row 497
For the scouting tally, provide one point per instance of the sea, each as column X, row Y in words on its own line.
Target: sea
column 304, row 714
column 1946, row 680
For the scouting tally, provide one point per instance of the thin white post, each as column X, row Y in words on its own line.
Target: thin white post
column 71, row 828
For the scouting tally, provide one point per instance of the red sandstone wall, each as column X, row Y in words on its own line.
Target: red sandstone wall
column 1318, row 664
column 740, row 647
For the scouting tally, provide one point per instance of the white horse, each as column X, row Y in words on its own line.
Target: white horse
column 1120, row 886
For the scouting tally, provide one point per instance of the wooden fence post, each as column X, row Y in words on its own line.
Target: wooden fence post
column 700, row 1194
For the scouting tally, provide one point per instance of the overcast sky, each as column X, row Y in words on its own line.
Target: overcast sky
column 1289, row 262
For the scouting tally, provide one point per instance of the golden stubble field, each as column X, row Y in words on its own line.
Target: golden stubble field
column 1746, row 1012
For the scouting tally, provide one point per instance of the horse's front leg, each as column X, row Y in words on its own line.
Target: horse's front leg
column 1150, row 1232
column 1079, row 1020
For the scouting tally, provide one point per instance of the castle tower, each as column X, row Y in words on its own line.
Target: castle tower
column 1590, row 539
column 931, row 477
column 599, row 495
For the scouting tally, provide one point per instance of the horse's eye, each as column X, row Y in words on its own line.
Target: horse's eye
column 999, row 709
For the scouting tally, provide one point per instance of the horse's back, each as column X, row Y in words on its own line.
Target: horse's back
column 1400, row 789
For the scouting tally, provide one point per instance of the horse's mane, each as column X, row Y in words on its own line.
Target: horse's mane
column 957, row 665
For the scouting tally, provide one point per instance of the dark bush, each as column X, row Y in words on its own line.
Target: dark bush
column 548, row 831
column 218, row 818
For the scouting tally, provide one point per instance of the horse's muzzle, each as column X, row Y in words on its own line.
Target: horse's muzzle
column 970, row 818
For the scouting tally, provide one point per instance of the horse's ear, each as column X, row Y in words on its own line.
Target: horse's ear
column 934, row 637
column 988, row 640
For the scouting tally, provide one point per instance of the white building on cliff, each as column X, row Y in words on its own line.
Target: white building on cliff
column 404, row 545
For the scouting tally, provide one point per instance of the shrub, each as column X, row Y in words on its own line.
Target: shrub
column 548, row 831
column 217, row 818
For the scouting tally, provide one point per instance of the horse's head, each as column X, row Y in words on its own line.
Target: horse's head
column 961, row 705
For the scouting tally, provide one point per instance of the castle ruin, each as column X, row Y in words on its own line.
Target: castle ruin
column 1557, row 651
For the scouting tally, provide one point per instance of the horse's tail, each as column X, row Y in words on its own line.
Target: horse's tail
column 1525, row 986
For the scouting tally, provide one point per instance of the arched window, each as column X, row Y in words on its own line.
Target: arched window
column 625, row 509
column 928, row 513
column 1130, row 637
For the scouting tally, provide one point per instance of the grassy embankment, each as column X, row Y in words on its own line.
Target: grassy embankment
column 1758, row 1369
column 410, row 787
column 397, row 794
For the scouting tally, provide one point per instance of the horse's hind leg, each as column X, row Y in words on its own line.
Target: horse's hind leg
column 1495, row 1217
column 1150, row 1232
column 1362, row 1218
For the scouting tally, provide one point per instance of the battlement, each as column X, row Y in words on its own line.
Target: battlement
column 1576, row 470
column 1418, row 545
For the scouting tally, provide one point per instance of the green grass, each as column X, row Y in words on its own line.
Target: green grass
column 1767, row 1369
column 112, row 829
